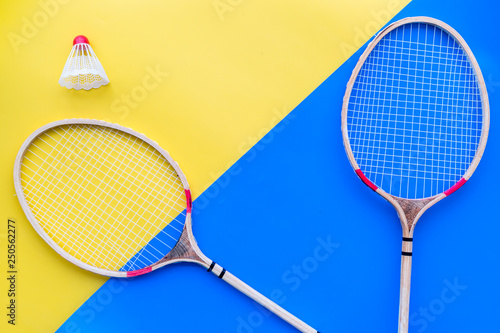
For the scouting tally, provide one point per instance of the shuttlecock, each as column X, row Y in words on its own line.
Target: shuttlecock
column 82, row 69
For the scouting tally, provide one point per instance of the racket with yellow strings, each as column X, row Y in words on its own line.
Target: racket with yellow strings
column 113, row 202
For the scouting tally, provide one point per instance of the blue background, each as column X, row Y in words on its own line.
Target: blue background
column 266, row 218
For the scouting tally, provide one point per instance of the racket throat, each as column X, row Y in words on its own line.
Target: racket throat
column 409, row 211
column 186, row 249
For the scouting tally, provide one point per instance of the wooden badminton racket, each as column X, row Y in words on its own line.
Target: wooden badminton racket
column 113, row 202
column 415, row 122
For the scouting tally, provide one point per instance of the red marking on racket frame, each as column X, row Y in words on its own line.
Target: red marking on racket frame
column 188, row 201
column 455, row 187
column 365, row 180
column 139, row 272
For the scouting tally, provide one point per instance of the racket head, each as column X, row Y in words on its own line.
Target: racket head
column 415, row 114
column 103, row 196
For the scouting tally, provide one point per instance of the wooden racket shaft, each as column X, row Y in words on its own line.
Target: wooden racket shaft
column 187, row 249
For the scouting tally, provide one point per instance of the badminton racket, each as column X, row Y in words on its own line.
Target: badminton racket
column 415, row 121
column 113, row 202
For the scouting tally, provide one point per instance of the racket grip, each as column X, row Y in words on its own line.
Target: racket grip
column 259, row 298
column 404, row 293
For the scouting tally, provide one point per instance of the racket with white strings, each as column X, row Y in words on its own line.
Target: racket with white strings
column 415, row 122
column 113, row 202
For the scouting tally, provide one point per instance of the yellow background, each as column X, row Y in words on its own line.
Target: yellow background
column 227, row 72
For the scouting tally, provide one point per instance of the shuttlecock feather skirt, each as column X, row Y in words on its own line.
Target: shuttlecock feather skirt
column 83, row 70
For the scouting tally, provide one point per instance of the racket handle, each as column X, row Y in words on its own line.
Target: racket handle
column 404, row 293
column 259, row 298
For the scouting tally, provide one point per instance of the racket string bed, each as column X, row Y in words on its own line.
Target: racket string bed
column 97, row 167
column 408, row 117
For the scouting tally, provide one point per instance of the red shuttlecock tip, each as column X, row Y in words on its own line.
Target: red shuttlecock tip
column 80, row 39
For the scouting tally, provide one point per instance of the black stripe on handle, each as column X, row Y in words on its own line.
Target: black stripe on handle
column 407, row 239
column 222, row 273
column 408, row 254
column 212, row 265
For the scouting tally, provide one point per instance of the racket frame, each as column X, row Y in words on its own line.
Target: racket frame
column 36, row 225
column 410, row 210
